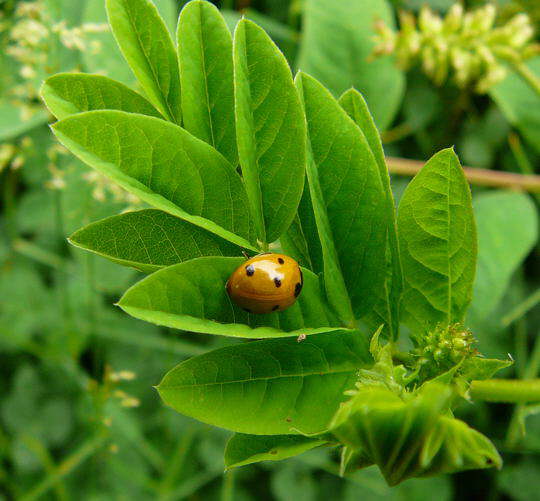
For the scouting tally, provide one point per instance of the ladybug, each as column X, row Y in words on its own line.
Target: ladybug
column 266, row 283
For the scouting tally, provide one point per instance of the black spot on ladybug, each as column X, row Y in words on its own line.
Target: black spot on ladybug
column 277, row 282
column 275, row 307
column 247, row 309
column 280, row 260
column 250, row 270
column 297, row 289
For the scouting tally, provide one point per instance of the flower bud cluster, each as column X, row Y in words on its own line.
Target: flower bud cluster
column 467, row 45
column 442, row 349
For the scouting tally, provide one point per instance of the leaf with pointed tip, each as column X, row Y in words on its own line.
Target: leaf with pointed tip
column 191, row 296
column 149, row 240
column 348, row 202
column 206, row 76
column 386, row 309
column 66, row 94
column 270, row 387
column 245, row 449
column 270, row 130
column 149, row 50
column 437, row 238
column 163, row 165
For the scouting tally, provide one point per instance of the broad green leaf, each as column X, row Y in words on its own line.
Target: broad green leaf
column 507, row 231
column 66, row 94
column 409, row 437
column 387, row 307
column 149, row 240
column 301, row 240
column 163, row 165
column 519, row 103
column 149, row 50
column 270, row 130
column 336, row 48
column 482, row 368
column 270, row 387
column 191, row 296
column 348, row 203
column 206, row 76
column 437, row 238
column 247, row 449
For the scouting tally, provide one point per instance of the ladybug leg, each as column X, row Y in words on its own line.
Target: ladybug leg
column 245, row 254
column 300, row 338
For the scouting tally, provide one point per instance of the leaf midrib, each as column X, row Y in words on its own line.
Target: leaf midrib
column 281, row 376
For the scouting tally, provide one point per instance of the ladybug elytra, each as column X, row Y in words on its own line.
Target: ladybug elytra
column 266, row 283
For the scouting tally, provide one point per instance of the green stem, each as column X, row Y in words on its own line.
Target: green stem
column 227, row 488
column 66, row 467
column 527, row 75
column 506, row 390
column 521, row 309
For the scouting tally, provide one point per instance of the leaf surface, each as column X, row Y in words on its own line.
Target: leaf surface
column 206, row 75
column 437, row 237
column 149, row 240
column 348, row 203
column 149, row 50
column 268, row 387
column 67, row 94
column 163, row 165
column 248, row 449
column 336, row 48
column 191, row 296
column 270, row 130
column 386, row 310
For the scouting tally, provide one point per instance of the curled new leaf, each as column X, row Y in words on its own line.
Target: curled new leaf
column 410, row 435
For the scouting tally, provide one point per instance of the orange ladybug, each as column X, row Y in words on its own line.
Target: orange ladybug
column 266, row 283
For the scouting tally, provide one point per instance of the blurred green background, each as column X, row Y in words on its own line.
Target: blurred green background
column 70, row 361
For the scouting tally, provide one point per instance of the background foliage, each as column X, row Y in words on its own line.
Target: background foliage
column 70, row 361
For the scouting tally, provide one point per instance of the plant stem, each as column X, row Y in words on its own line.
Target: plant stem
column 526, row 74
column 66, row 467
column 481, row 177
column 506, row 390
column 521, row 309
column 227, row 487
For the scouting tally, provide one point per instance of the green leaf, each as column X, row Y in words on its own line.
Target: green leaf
column 482, row 368
column 507, row 231
column 408, row 437
column 336, row 46
column 149, row 240
column 519, row 103
column 387, row 307
column 191, row 296
column 206, row 76
column 149, row 50
column 247, row 449
column 163, row 165
column 66, row 94
column 348, row 203
column 270, row 387
column 270, row 130
column 437, row 239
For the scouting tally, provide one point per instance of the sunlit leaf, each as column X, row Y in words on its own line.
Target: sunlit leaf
column 148, row 48
column 163, row 165
column 66, row 94
column 270, row 129
column 269, row 387
column 149, row 240
column 437, row 243
column 191, row 296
